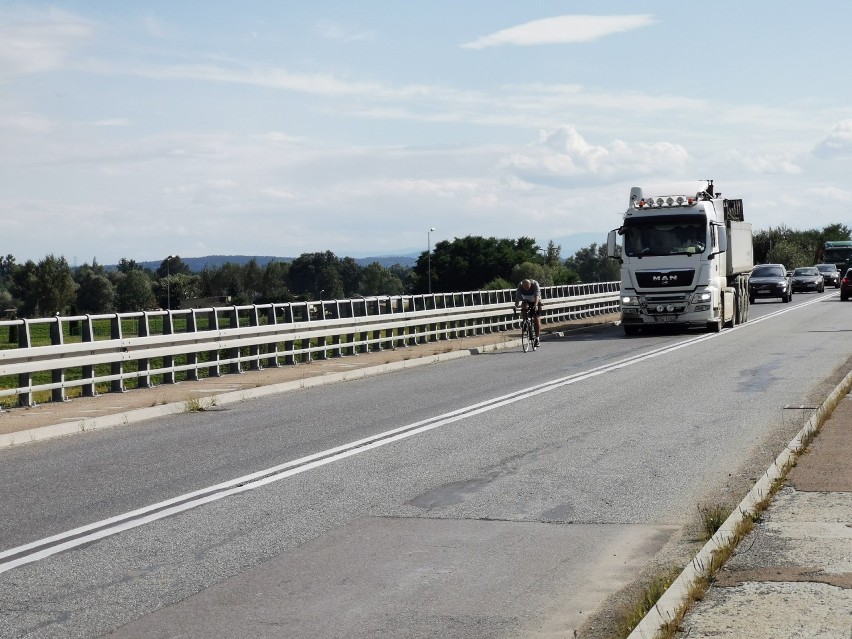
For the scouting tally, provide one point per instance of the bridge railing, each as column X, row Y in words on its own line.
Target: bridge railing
column 94, row 353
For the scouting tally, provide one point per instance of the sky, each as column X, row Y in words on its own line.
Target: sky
column 140, row 130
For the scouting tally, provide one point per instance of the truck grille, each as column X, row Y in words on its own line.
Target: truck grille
column 665, row 278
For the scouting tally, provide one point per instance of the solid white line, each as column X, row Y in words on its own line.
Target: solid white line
column 98, row 530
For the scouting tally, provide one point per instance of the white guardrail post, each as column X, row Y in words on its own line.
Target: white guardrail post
column 92, row 353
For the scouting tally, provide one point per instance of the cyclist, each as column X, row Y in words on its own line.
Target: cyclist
column 528, row 294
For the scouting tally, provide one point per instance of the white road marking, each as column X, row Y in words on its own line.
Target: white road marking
column 43, row 548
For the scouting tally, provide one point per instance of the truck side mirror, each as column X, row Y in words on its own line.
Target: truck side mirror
column 613, row 249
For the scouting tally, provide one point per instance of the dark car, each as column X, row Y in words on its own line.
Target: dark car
column 830, row 275
column 770, row 280
column 808, row 279
column 846, row 285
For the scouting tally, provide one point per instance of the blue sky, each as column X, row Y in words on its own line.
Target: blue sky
column 144, row 129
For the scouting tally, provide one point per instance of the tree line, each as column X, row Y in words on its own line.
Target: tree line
column 51, row 286
column 783, row 245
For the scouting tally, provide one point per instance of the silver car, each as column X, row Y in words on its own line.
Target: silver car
column 830, row 275
column 807, row 279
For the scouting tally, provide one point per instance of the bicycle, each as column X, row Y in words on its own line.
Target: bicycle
column 527, row 331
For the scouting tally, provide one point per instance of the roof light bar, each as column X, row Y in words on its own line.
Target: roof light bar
column 670, row 201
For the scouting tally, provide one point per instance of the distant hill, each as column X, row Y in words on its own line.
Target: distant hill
column 198, row 264
column 570, row 244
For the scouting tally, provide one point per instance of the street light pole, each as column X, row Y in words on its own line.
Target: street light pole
column 429, row 257
column 169, row 282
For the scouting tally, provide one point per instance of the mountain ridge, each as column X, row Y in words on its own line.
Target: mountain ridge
column 569, row 246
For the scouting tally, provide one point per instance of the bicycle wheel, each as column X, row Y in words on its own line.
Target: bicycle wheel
column 532, row 334
column 526, row 342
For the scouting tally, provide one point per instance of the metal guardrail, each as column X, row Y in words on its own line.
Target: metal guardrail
column 92, row 351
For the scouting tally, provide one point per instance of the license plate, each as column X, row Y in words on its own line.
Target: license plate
column 664, row 318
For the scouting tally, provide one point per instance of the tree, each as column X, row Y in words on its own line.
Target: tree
column 6, row 300
column 350, row 274
column 468, row 263
column 378, row 280
column 174, row 288
column 172, row 265
column 835, row 233
column 782, row 245
column 311, row 273
column 329, row 284
column 7, row 266
column 406, row 275
column 95, row 294
column 252, row 281
column 125, row 265
column 552, row 257
column 274, row 284
column 498, row 284
column 592, row 265
column 530, row 271
column 789, row 253
column 55, row 286
column 226, row 280
column 24, row 289
column 134, row 292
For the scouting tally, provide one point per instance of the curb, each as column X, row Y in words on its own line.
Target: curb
column 676, row 597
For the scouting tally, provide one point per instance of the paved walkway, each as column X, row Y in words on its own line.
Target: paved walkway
column 790, row 578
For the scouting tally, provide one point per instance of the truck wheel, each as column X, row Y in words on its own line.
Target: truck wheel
column 715, row 326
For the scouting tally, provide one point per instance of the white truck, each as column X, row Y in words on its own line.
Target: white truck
column 685, row 260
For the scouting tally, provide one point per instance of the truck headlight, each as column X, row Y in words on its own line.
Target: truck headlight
column 630, row 300
column 701, row 296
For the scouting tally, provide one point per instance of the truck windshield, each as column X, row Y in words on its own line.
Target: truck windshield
column 665, row 235
column 838, row 254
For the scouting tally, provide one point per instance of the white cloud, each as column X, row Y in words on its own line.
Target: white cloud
column 763, row 164
column 33, row 41
column 562, row 30
column 832, row 194
column 562, row 155
column 277, row 194
column 837, row 143
column 25, row 123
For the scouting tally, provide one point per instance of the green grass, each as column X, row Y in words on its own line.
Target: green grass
column 199, row 405
column 648, row 596
column 712, row 518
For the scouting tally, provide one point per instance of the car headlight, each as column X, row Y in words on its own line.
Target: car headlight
column 630, row 300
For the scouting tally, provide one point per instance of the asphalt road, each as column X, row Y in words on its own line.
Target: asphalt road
column 505, row 494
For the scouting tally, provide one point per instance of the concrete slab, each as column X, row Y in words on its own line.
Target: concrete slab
column 758, row 610
column 804, row 537
column 483, row 579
